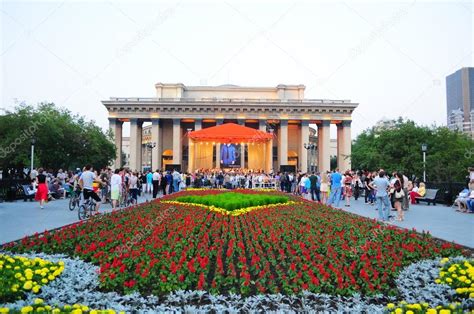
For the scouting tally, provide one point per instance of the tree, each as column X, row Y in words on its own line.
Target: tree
column 62, row 139
column 398, row 148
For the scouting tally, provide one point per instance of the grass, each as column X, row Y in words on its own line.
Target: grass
column 233, row 201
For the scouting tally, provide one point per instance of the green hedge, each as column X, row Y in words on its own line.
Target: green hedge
column 232, row 201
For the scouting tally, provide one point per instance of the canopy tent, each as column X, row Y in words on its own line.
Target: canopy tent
column 230, row 133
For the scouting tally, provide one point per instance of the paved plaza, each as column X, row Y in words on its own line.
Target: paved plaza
column 25, row 218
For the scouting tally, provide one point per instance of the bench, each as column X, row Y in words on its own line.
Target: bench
column 430, row 197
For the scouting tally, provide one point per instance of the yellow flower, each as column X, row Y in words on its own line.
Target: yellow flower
column 398, row 311
column 449, row 280
column 38, row 301
column 409, row 312
column 26, row 309
column 445, row 311
column 36, row 289
column 431, row 311
column 56, row 311
column 390, row 306
column 28, row 285
column 4, row 310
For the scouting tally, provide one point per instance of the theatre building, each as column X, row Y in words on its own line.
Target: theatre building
column 228, row 126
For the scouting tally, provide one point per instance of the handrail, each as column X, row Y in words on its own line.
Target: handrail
column 215, row 99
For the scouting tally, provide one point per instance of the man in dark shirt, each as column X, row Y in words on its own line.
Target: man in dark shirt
column 315, row 181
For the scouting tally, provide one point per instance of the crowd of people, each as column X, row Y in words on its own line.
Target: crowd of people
column 388, row 192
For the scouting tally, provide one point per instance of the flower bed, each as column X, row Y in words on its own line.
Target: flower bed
column 20, row 274
column 161, row 247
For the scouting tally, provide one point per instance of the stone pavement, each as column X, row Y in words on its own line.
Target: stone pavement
column 25, row 218
column 20, row 218
column 441, row 221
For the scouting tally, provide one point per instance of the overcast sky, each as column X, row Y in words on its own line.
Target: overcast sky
column 390, row 57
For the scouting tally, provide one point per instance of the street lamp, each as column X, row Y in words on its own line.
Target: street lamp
column 33, row 141
column 424, row 148
column 311, row 147
column 151, row 146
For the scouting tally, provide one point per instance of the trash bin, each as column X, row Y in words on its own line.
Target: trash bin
column 448, row 197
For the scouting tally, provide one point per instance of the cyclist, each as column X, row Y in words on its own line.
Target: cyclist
column 86, row 181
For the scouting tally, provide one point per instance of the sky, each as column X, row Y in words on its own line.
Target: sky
column 389, row 57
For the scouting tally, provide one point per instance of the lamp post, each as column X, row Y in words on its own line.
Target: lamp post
column 33, row 141
column 312, row 148
column 151, row 146
column 424, row 148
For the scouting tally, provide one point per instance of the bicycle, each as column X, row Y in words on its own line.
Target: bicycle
column 87, row 209
column 75, row 199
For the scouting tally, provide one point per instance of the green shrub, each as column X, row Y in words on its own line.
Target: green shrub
column 232, row 200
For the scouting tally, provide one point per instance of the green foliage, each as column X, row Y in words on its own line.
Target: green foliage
column 63, row 140
column 233, row 201
column 398, row 148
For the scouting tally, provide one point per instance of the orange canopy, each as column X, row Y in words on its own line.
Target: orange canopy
column 230, row 133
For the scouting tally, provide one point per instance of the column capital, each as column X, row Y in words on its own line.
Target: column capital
column 283, row 122
column 325, row 123
column 241, row 121
column 155, row 121
column 176, row 121
column 346, row 123
column 219, row 121
column 304, row 122
column 133, row 120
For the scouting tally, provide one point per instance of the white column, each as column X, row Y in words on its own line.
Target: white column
column 115, row 126
column 242, row 155
column 262, row 125
column 304, row 138
column 155, row 138
column 133, row 144
column 324, row 141
column 197, row 124
column 139, row 145
column 283, row 143
column 218, row 147
column 177, row 141
column 344, row 145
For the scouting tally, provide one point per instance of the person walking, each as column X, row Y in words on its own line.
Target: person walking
column 133, row 187
column 398, row 195
column 42, row 191
column 149, row 182
column 315, row 186
column 357, row 183
column 335, row 195
column 369, row 197
column 381, row 184
column 347, row 187
column 324, row 188
column 115, row 187
column 156, row 177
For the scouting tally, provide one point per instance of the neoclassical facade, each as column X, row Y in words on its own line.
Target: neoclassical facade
column 282, row 111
